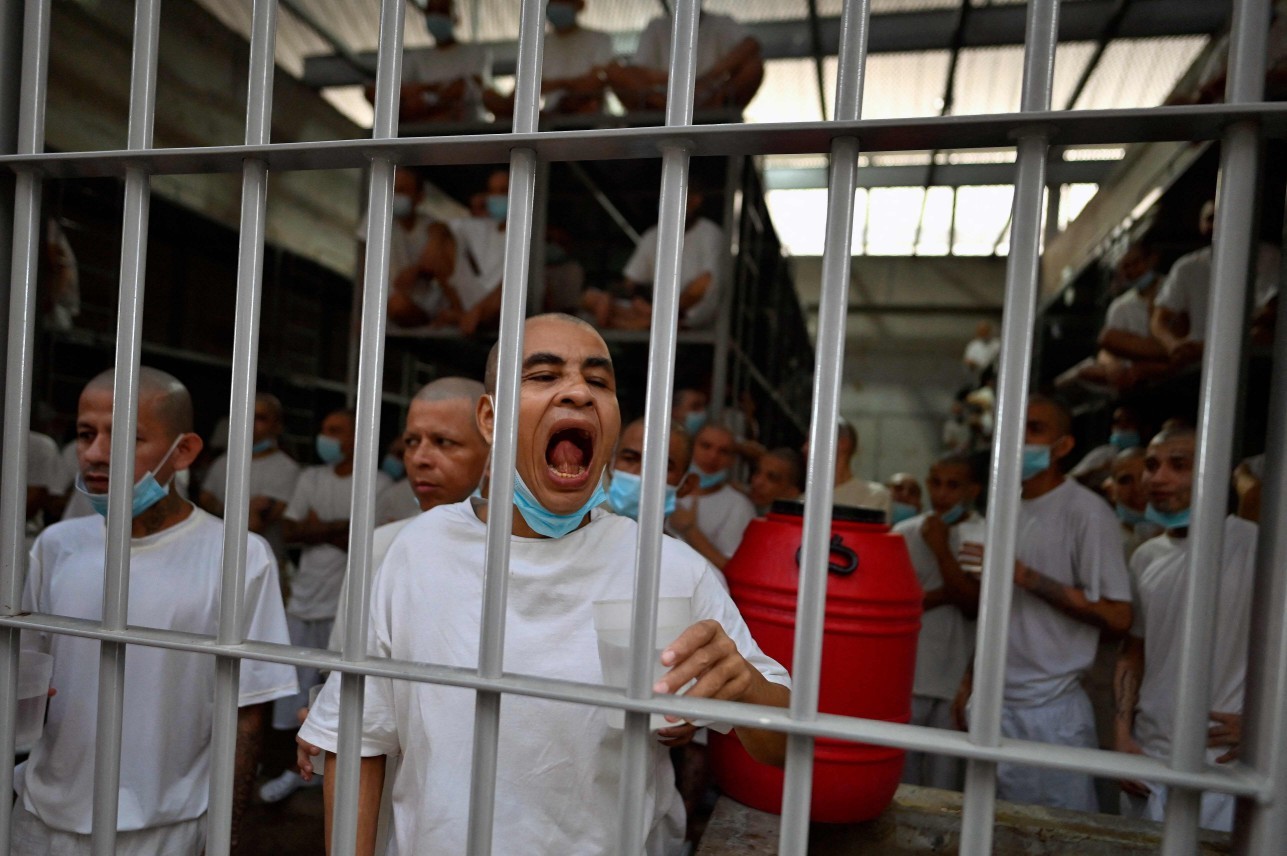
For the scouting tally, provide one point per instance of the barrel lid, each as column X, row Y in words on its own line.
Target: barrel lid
column 845, row 513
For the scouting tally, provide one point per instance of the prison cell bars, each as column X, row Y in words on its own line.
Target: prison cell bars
column 29, row 139
column 833, row 320
column 241, row 413
column 1267, row 811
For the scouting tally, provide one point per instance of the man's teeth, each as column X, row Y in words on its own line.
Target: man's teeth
column 567, row 470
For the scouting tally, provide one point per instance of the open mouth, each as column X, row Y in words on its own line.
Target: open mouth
column 569, row 453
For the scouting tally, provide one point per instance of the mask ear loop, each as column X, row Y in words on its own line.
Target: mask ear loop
column 161, row 462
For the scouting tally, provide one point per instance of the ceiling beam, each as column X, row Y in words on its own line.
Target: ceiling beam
column 891, row 32
column 945, row 175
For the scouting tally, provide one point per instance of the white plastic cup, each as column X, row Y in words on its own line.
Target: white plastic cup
column 612, row 625
column 971, row 532
column 35, row 668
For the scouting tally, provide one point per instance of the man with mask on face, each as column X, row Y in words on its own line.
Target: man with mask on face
column 905, row 496
column 627, row 468
column 444, row 84
column 704, row 255
column 572, row 66
column 688, row 408
column 713, row 519
column 1071, row 585
column 176, row 572
column 478, row 249
column 1148, row 668
column 565, row 554
column 273, row 474
column 1129, row 498
column 945, row 647
column 317, row 518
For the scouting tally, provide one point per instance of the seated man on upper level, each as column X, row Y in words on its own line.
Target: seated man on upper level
column 444, row 84
column 1180, row 310
column 572, row 67
column 704, row 251
column 729, row 66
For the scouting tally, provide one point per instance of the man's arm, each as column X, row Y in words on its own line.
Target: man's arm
column 1127, row 675
column 311, row 530
column 1132, row 346
column 1164, row 324
column 264, row 512
column 250, row 734
column 1113, row 617
column 370, row 789
column 959, row 588
column 706, row 653
column 684, row 523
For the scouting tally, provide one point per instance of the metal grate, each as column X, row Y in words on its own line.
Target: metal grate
column 1262, row 778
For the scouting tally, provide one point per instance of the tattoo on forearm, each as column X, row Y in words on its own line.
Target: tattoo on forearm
column 1126, row 689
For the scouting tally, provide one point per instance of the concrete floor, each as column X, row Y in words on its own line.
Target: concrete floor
column 291, row 826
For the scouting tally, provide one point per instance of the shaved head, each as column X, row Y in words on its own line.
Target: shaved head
column 271, row 403
column 450, row 389
column 493, row 357
column 168, row 398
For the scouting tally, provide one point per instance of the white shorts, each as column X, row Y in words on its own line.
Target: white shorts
column 1216, row 810
column 32, row 837
column 1067, row 720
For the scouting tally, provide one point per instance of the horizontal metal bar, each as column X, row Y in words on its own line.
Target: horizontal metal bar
column 1067, row 128
column 1233, row 779
column 891, row 32
column 914, row 309
column 940, row 175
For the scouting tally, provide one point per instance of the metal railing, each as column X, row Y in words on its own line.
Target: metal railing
column 1261, row 779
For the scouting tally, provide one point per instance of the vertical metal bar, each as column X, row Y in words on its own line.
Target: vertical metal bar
column 245, row 362
column 1017, row 323
column 723, row 321
column 1231, row 265
column 837, row 261
column 635, row 748
column 518, row 235
column 129, row 336
column 27, row 137
column 369, row 373
column 1264, row 747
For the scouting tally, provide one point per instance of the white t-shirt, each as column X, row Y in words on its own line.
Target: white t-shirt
column 1187, row 287
column 316, row 586
column 557, row 770
column 1160, row 567
column 396, row 502
column 175, row 580
column 1071, row 536
column 381, row 540
column 273, row 475
column 722, row 516
column 717, row 35
column 861, row 493
column 945, row 646
column 705, row 249
column 472, row 62
column 981, row 352
column 1129, row 312
column 575, row 53
column 44, row 463
column 480, row 258
column 406, row 246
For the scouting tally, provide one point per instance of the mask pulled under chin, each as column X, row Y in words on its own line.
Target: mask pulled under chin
column 550, row 523
column 147, row 490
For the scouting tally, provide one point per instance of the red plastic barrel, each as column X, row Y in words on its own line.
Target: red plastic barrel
column 868, row 654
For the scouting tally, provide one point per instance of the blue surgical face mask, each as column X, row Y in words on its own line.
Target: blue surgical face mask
column 498, row 207
column 1123, row 440
column 392, row 467
column 624, row 491
column 265, row 445
column 549, row 523
column 709, row 480
column 1036, row 460
column 403, row 205
column 554, row 254
column 693, row 422
column 1143, row 281
column 1128, row 515
column 147, row 491
column 953, row 514
column 440, row 26
column 902, row 511
column 328, row 449
column 561, row 15
column 1167, row 519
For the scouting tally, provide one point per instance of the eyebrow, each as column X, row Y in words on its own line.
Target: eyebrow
column 547, row 358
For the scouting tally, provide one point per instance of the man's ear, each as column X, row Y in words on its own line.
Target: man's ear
column 687, row 485
column 485, row 416
column 1062, row 447
column 186, row 452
